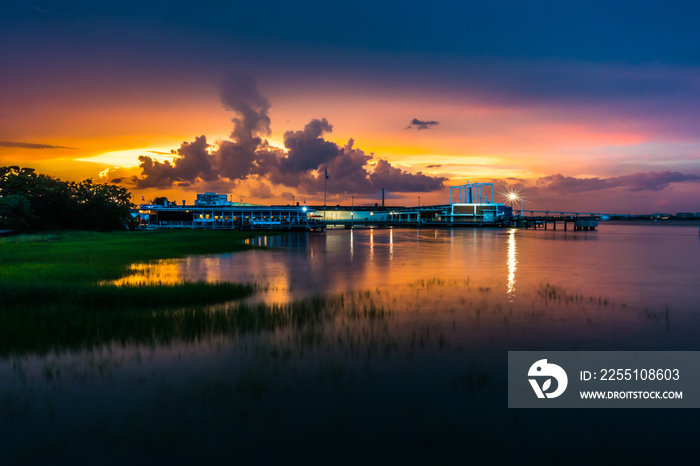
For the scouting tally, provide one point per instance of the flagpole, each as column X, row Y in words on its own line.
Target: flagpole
column 325, row 183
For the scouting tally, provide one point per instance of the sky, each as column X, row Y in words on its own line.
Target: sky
column 577, row 106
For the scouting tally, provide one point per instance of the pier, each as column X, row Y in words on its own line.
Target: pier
column 575, row 221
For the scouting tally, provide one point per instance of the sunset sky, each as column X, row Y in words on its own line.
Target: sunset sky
column 588, row 106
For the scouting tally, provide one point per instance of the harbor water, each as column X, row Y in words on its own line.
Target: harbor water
column 370, row 345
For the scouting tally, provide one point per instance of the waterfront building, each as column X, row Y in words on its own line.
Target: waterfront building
column 214, row 211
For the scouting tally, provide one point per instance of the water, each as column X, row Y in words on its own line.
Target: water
column 404, row 360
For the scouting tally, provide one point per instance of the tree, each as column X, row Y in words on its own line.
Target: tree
column 16, row 213
column 32, row 202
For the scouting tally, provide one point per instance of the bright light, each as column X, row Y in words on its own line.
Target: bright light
column 303, row 209
column 513, row 197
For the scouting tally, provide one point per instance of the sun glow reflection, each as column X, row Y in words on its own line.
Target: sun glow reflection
column 512, row 265
column 163, row 272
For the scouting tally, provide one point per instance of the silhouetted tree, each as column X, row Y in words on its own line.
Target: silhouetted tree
column 32, row 202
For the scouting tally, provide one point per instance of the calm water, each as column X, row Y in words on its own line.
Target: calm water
column 403, row 361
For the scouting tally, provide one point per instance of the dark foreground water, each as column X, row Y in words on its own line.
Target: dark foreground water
column 403, row 360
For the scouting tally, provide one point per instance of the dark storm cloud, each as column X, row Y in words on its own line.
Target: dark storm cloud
column 397, row 180
column 241, row 95
column 307, row 149
column 261, row 191
column 193, row 163
column 27, row 145
column 651, row 181
column 350, row 172
column 421, row 124
column 347, row 173
column 302, row 165
column 234, row 159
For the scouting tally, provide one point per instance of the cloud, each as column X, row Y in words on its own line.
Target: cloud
column 120, row 175
column 433, row 166
column 301, row 164
column 651, row 181
column 241, row 95
column 234, row 159
column 307, row 150
column 261, row 190
column 193, row 163
column 172, row 152
column 395, row 179
column 420, row 124
column 27, row 145
column 350, row 172
column 347, row 173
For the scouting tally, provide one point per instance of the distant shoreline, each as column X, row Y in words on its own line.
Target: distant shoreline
column 645, row 221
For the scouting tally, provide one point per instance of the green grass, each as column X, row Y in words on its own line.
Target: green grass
column 66, row 268
column 51, row 296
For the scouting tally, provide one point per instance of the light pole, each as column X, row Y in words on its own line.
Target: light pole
column 325, row 183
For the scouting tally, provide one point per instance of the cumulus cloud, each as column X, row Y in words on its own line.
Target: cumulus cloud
column 241, row 95
column 302, row 164
column 651, row 181
column 234, row 159
column 422, row 124
column 261, row 190
column 395, row 179
column 28, row 145
column 307, row 150
column 117, row 175
column 193, row 163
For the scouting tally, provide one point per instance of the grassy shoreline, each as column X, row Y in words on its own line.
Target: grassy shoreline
column 51, row 296
column 65, row 268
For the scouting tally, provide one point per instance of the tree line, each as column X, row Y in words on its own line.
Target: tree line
column 31, row 201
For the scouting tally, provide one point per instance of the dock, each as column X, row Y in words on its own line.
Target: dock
column 574, row 222
column 583, row 223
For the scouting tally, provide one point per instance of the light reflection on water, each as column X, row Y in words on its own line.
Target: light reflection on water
column 512, row 265
column 635, row 265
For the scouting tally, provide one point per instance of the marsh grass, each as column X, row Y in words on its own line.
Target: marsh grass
column 66, row 268
column 51, row 290
column 62, row 327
